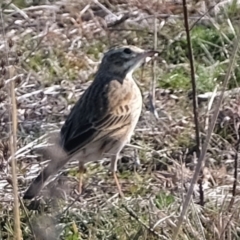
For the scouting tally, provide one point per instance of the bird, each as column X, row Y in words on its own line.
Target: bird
column 103, row 120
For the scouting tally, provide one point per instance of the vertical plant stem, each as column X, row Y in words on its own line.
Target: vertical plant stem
column 13, row 147
column 153, row 82
column 193, row 80
column 13, row 138
column 194, row 94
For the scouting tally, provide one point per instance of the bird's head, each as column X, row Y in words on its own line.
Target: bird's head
column 123, row 61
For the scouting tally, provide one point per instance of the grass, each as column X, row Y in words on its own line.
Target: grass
column 155, row 190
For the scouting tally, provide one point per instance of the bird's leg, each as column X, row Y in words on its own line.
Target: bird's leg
column 114, row 160
column 81, row 172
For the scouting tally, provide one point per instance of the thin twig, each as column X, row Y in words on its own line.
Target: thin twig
column 235, row 175
column 193, row 80
column 236, row 167
column 194, row 94
column 202, row 17
column 153, row 82
column 133, row 214
column 205, row 145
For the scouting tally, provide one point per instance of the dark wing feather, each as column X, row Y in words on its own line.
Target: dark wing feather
column 94, row 117
column 78, row 129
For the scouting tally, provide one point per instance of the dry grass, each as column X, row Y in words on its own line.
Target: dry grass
column 55, row 49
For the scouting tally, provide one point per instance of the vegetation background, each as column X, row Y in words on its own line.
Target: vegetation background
column 55, row 48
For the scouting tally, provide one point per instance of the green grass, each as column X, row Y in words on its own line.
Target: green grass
column 164, row 200
column 210, row 48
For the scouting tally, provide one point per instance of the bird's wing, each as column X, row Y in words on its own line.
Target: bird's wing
column 100, row 112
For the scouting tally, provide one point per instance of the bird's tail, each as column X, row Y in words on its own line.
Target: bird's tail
column 58, row 159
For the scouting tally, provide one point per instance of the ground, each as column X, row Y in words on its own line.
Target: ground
column 55, row 48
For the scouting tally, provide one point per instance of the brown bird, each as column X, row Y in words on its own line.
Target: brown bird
column 103, row 119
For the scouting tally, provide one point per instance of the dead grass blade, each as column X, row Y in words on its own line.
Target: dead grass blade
column 13, row 143
column 13, row 147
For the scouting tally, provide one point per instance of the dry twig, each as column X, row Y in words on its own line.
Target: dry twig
column 13, row 147
column 13, row 143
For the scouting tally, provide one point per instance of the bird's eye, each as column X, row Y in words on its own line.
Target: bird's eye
column 127, row 51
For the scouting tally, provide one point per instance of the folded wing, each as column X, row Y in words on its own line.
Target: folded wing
column 96, row 115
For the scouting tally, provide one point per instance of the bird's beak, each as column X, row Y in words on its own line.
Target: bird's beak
column 150, row 54
column 144, row 57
